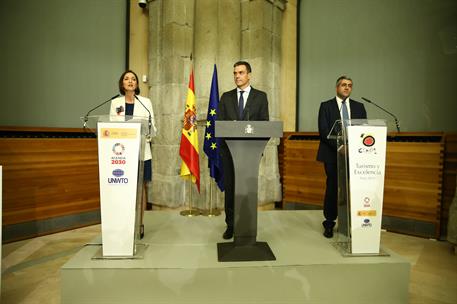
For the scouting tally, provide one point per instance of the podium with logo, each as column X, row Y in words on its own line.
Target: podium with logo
column 121, row 143
column 361, row 156
column 246, row 141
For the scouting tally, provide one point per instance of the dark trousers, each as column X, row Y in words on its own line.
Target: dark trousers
column 229, row 185
column 331, row 195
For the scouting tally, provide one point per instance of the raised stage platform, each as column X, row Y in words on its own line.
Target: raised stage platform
column 180, row 266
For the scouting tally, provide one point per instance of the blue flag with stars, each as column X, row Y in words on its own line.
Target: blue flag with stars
column 212, row 144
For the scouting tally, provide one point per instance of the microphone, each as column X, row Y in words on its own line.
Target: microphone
column 148, row 137
column 91, row 110
column 397, row 123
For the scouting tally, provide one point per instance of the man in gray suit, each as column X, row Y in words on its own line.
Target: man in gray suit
column 242, row 103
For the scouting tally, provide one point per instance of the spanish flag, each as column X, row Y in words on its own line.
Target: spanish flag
column 188, row 150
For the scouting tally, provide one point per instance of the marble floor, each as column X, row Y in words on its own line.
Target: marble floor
column 31, row 268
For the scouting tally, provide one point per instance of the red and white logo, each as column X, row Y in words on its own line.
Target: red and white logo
column 368, row 140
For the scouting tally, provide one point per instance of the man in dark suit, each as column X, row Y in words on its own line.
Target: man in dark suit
column 242, row 103
column 339, row 107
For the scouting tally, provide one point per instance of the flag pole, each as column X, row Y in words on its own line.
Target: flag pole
column 211, row 212
column 190, row 211
column 212, row 144
column 188, row 149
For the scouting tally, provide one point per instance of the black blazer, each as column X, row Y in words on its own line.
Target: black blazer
column 328, row 114
column 256, row 106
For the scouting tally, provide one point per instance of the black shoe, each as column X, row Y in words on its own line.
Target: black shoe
column 228, row 234
column 328, row 232
column 141, row 231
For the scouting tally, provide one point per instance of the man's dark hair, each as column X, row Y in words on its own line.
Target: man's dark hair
column 246, row 64
column 121, row 84
column 343, row 77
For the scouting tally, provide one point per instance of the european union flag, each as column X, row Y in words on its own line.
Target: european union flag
column 212, row 144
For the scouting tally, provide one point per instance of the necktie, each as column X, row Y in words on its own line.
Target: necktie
column 241, row 104
column 344, row 110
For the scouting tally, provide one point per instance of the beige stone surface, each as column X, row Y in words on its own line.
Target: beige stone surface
column 288, row 103
column 31, row 268
column 217, row 32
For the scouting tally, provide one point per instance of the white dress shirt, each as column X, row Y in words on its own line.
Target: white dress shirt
column 245, row 94
column 340, row 104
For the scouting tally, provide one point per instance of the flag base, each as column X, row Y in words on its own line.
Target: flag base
column 211, row 212
column 190, row 212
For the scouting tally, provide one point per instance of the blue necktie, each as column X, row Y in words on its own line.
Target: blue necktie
column 344, row 110
column 241, row 104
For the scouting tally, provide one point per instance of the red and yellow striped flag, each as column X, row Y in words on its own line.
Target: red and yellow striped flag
column 188, row 150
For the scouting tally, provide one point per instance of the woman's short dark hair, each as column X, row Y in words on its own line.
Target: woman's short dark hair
column 246, row 64
column 121, row 83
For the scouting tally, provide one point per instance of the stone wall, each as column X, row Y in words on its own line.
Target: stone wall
column 217, row 32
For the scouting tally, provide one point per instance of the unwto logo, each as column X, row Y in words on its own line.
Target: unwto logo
column 366, row 223
column 118, row 172
column 118, row 180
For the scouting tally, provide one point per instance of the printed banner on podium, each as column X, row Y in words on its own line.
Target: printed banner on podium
column 118, row 149
column 367, row 157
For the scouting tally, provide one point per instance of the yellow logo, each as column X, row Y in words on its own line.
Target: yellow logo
column 116, row 133
column 366, row 213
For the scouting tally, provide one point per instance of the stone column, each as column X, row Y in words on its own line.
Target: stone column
column 228, row 45
column 289, row 63
column 215, row 31
column 261, row 22
column 171, row 42
column 205, row 41
column 216, row 41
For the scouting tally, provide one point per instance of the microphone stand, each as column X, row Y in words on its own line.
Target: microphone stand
column 103, row 103
column 397, row 123
column 148, row 137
